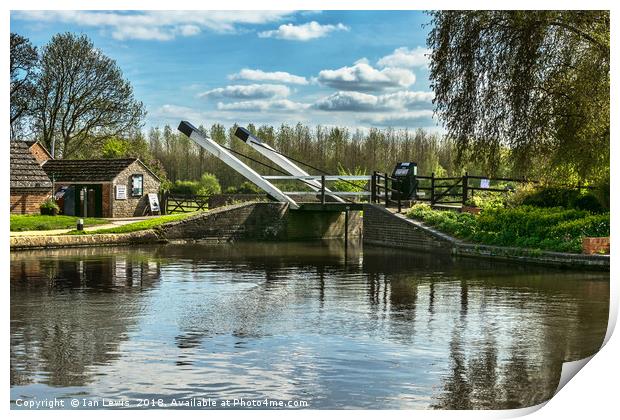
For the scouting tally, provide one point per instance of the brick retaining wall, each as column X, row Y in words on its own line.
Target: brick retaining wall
column 384, row 228
column 65, row 241
column 381, row 227
column 261, row 221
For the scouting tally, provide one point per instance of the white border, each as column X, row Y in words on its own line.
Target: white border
column 593, row 393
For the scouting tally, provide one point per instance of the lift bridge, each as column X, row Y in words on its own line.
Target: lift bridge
column 382, row 187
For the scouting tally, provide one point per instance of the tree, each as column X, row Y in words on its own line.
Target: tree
column 533, row 82
column 24, row 62
column 209, row 184
column 134, row 146
column 82, row 98
column 115, row 148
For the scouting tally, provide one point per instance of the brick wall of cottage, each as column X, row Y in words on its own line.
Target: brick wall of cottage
column 132, row 206
column 39, row 153
column 25, row 202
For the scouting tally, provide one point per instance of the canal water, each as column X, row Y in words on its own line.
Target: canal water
column 302, row 322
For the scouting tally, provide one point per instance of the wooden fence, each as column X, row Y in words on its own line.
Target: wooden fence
column 448, row 190
column 184, row 203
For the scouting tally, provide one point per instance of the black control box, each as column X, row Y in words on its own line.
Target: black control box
column 405, row 173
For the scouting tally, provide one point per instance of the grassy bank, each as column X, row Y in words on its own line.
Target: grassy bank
column 20, row 223
column 142, row 225
column 552, row 229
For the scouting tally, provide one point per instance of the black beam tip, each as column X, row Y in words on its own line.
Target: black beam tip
column 187, row 128
column 242, row 133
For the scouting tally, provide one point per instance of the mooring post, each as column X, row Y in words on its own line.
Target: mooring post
column 400, row 192
column 386, row 190
column 373, row 187
column 322, row 189
column 465, row 187
column 432, row 188
column 346, row 227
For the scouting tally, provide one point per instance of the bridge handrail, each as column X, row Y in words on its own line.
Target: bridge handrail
column 319, row 177
column 345, row 193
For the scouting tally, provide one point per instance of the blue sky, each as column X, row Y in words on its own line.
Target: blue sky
column 352, row 68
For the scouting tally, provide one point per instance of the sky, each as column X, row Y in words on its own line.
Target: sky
column 357, row 69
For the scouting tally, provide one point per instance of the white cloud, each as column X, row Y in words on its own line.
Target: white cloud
column 363, row 102
column 305, row 32
column 407, row 100
column 365, row 78
column 154, row 25
column 263, row 76
column 254, row 91
column 406, row 58
column 283, row 105
column 347, row 101
column 189, row 30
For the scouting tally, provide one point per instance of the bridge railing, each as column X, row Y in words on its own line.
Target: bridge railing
column 323, row 190
column 382, row 182
column 320, row 177
column 381, row 187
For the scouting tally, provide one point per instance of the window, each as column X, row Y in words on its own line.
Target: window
column 136, row 185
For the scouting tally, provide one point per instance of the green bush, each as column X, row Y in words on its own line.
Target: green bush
column 185, row 187
column 550, row 197
column 209, row 185
column 457, row 224
column 349, row 186
column 555, row 229
column 588, row 202
column 489, row 200
column 520, row 194
column 563, row 197
column 49, row 204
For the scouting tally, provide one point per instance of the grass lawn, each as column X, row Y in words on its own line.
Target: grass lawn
column 553, row 229
column 25, row 222
column 142, row 225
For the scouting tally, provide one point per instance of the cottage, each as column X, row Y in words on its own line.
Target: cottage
column 102, row 187
column 30, row 185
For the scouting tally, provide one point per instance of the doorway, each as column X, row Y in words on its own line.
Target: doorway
column 88, row 200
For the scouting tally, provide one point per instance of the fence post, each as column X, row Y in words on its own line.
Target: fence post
column 387, row 203
column 373, row 187
column 465, row 187
column 400, row 193
column 432, row 188
column 322, row 189
column 164, row 202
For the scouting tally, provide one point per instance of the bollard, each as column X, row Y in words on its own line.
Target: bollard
column 346, row 227
column 80, row 224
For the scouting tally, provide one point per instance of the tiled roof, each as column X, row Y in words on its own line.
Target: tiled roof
column 25, row 170
column 87, row 170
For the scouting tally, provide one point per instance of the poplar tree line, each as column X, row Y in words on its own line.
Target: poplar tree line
column 331, row 149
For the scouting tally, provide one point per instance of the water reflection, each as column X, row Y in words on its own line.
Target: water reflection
column 370, row 328
column 72, row 313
